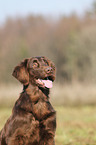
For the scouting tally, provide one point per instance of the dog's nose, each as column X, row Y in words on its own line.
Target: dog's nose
column 48, row 69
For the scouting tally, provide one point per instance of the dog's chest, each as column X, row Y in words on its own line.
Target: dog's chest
column 41, row 109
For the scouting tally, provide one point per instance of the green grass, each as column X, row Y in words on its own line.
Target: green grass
column 75, row 125
column 4, row 114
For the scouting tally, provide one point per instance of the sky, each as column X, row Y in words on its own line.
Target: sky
column 13, row 8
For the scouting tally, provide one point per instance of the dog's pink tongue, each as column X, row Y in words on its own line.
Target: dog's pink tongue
column 47, row 83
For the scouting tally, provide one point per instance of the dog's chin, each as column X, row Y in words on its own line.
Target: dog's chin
column 44, row 83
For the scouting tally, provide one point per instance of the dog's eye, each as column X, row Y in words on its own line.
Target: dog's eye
column 35, row 64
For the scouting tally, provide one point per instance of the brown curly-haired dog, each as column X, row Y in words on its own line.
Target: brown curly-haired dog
column 33, row 119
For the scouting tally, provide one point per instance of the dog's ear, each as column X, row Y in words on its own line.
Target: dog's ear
column 20, row 72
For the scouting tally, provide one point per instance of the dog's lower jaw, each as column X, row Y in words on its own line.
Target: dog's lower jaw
column 35, row 91
column 45, row 91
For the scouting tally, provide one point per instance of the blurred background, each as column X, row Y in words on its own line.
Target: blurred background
column 65, row 32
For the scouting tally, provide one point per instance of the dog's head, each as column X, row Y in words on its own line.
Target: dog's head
column 38, row 71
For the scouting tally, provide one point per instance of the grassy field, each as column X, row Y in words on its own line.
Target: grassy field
column 75, row 125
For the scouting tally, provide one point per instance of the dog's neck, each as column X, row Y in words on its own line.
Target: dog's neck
column 46, row 91
column 33, row 90
column 25, row 87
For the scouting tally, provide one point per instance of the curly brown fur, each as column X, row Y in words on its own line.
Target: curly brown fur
column 33, row 119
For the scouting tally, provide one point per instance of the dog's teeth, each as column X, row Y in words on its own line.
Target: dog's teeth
column 39, row 80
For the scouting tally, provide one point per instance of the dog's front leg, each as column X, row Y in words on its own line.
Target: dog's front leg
column 47, row 132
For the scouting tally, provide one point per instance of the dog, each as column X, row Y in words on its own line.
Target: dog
column 33, row 119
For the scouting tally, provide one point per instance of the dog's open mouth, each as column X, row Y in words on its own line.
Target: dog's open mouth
column 47, row 82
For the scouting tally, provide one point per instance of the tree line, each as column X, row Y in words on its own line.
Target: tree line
column 69, row 41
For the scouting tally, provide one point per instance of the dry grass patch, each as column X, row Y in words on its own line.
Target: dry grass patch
column 9, row 94
column 74, row 94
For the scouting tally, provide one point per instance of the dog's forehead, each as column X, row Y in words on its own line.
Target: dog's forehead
column 40, row 59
